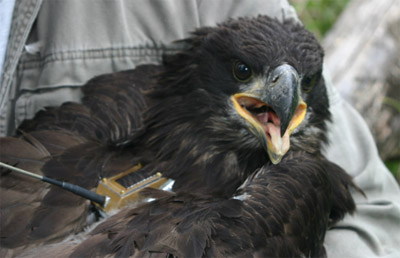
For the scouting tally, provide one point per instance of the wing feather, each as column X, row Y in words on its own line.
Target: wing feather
column 268, row 221
column 76, row 143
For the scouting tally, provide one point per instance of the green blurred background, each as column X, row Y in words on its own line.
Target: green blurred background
column 319, row 15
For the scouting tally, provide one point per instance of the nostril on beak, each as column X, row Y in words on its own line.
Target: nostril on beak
column 275, row 79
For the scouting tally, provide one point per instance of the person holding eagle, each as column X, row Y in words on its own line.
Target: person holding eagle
column 237, row 113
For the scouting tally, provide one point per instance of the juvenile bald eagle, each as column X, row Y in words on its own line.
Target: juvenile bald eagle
column 237, row 119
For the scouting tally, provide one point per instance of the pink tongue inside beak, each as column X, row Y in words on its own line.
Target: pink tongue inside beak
column 277, row 145
column 253, row 109
column 263, row 118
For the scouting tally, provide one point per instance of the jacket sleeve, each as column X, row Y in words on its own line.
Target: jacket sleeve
column 373, row 230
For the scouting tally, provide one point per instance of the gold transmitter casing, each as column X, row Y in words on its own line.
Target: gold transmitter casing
column 120, row 194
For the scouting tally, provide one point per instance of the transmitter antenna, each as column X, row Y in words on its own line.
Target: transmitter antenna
column 75, row 189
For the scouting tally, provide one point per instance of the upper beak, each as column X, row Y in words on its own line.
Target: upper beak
column 273, row 109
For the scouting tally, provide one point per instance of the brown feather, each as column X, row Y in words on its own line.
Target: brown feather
column 267, row 219
column 69, row 143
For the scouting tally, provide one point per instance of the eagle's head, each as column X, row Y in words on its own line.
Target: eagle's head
column 246, row 85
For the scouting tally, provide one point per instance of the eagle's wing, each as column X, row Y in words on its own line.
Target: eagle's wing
column 71, row 143
column 281, row 211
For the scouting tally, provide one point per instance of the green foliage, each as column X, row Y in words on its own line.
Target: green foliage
column 393, row 103
column 394, row 167
column 319, row 15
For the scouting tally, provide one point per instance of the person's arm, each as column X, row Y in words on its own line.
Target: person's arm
column 373, row 230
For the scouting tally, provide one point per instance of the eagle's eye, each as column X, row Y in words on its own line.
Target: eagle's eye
column 242, row 72
column 309, row 82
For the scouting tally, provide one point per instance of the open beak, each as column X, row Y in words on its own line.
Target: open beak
column 273, row 110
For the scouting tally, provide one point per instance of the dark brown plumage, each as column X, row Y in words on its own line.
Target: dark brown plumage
column 206, row 117
column 274, row 213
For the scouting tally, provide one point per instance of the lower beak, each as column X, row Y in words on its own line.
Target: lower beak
column 271, row 115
